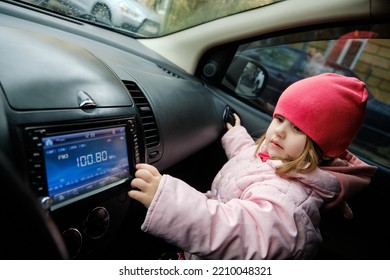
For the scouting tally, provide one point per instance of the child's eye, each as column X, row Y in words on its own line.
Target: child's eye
column 279, row 118
column 296, row 129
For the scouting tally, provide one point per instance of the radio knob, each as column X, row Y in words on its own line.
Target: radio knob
column 46, row 202
column 73, row 240
column 96, row 223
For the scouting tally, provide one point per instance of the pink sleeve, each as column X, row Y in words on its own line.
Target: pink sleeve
column 239, row 229
column 236, row 139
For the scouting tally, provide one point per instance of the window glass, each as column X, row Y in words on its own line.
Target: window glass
column 148, row 18
column 358, row 51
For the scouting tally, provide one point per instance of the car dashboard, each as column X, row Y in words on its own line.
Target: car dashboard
column 80, row 106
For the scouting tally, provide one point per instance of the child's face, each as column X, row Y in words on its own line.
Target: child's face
column 284, row 140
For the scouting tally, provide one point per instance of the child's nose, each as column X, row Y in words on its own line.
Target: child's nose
column 281, row 130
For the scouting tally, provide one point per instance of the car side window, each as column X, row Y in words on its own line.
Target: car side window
column 283, row 59
column 357, row 51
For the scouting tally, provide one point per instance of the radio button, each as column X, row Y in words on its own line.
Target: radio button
column 35, row 137
column 37, row 177
column 35, row 155
column 39, row 188
column 36, row 166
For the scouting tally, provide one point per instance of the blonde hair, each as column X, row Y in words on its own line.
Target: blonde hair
column 308, row 161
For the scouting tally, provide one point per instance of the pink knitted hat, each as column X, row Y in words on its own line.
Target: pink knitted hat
column 329, row 108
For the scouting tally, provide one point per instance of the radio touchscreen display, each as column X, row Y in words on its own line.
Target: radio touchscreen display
column 81, row 164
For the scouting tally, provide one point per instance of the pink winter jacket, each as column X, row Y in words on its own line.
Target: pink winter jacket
column 250, row 212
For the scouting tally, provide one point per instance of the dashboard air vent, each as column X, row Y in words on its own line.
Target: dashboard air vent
column 152, row 138
column 170, row 73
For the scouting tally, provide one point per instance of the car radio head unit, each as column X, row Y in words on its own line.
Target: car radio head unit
column 77, row 162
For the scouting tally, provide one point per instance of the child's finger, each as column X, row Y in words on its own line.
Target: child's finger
column 144, row 197
column 137, row 195
column 153, row 170
column 237, row 118
column 144, row 175
column 139, row 184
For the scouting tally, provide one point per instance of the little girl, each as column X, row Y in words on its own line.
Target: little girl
column 265, row 201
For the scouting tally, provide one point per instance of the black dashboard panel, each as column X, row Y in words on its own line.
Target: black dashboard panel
column 45, row 65
column 67, row 86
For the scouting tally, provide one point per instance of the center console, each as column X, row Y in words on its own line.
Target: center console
column 80, row 172
column 69, row 163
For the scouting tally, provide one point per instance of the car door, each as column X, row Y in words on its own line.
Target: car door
column 331, row 49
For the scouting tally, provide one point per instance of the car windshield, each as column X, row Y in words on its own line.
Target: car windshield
column 147, row 18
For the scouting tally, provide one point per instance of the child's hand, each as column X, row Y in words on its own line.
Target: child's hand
column 147, row 180
column 236, row 123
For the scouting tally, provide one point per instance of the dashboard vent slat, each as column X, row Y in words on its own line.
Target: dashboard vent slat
column 152, row 138
column 171, row 73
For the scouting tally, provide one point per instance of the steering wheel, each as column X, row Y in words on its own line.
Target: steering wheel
column 26, row 231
